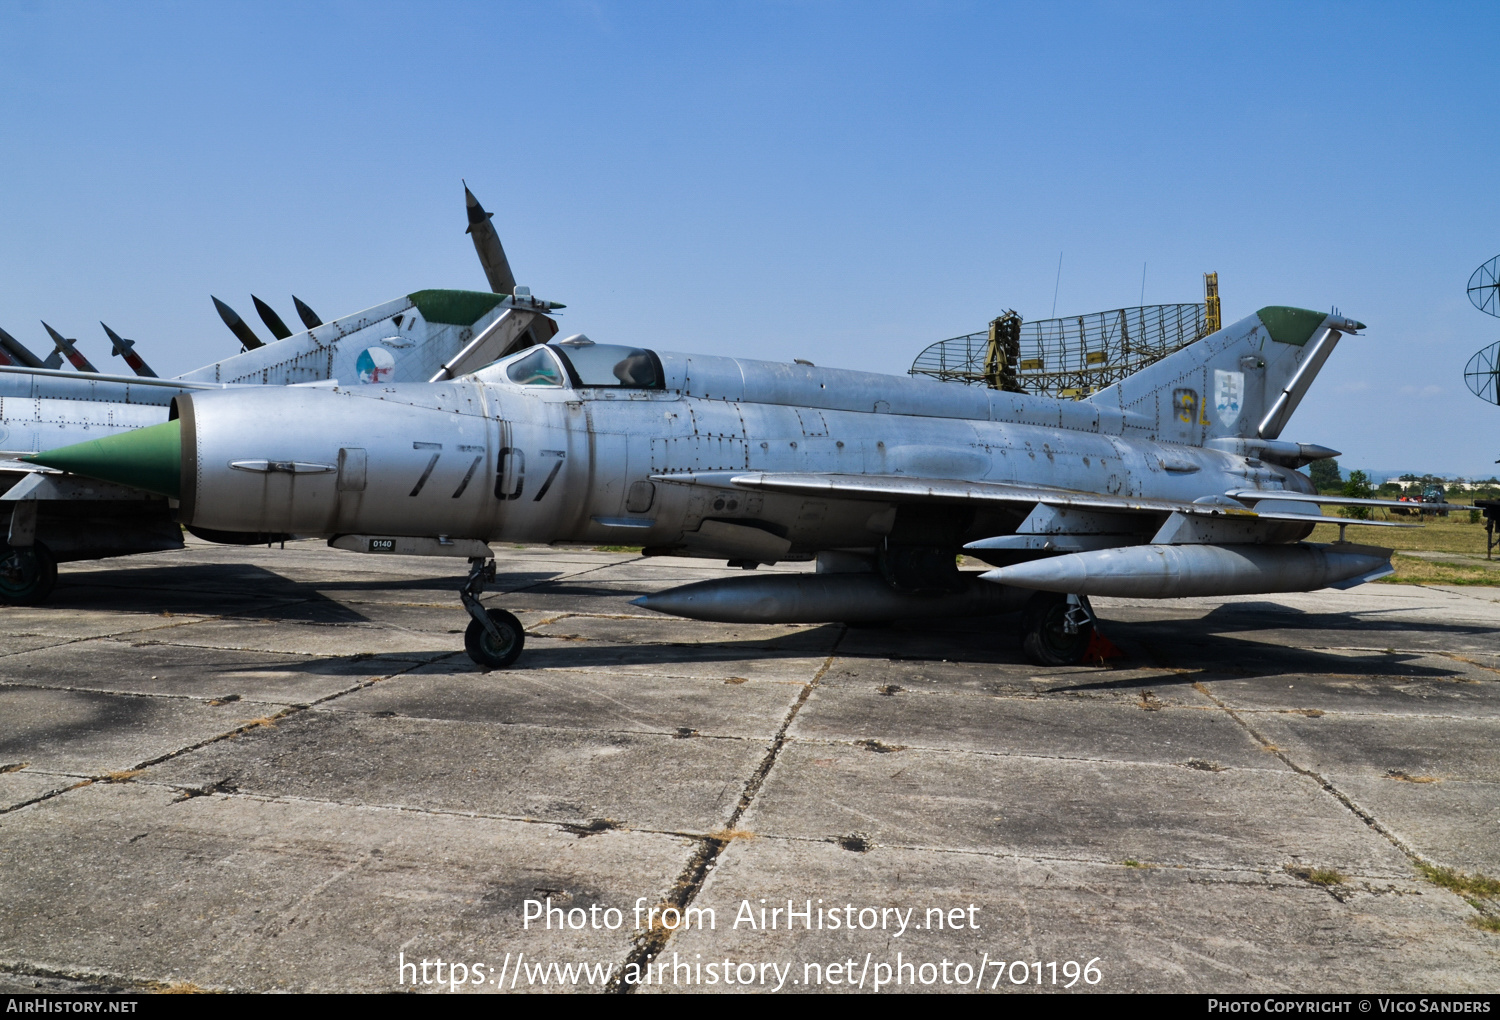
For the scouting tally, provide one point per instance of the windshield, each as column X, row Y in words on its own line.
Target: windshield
column 611, row 364
column 536, row 369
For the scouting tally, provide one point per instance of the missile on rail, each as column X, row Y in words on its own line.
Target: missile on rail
column 126, row 349
column 66, row 348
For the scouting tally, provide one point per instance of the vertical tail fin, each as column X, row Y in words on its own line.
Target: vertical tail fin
column 1243, row 381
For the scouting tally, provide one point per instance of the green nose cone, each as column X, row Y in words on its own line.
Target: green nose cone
column 149, row 459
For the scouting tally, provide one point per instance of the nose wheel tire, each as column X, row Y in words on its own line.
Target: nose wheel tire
column 1056, row 629
column 26, row 575
column 485, row 650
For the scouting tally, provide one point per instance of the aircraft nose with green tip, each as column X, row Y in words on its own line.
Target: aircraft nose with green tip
column 148, row 459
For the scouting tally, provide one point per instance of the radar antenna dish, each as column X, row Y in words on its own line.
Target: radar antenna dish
column 1071, row 357
column 1483, row 373
column 1484, row 288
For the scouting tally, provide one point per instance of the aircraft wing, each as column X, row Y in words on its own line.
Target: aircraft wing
column 908, row 489
column 1256, row 495
column 104, row 377
column 11, row 465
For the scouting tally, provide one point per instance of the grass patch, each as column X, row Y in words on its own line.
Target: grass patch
column 1489, row 924
column 725, row 835
column 1415, row 570
column 122, row 776
column 1319, row 876
column 619, row 548
column 1481, row 886
column 1131, row 862
column 1407, row 777
column 1452, row 534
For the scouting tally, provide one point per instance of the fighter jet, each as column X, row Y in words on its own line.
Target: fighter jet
column 1174, row 481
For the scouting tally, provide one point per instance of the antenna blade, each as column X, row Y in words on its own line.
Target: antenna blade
column 271, row 319
column 237, row 325
column 17, row 353
column 307, row 315
column 126, row 349
column 487, row 245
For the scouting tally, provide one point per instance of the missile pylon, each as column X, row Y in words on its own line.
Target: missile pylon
column 242, row 332
column 73, row 354
column 13, row 352
column 487, row 245
column 307, row 315
column 273, row 321
column 124, row 349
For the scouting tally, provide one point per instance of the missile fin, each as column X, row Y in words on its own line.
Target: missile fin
column 487, row 245
column 271, row 319
column 237, row 326
column 307, row 315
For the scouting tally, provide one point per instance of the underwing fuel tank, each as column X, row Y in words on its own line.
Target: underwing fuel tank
column 1176, row 571
column 825, row 598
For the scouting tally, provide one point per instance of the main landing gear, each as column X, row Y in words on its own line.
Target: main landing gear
column 494, row 638
column 1056, row 629
column 27, row 574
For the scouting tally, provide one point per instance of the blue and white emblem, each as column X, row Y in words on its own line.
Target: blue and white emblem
column 1229, row 394
column 375, row 365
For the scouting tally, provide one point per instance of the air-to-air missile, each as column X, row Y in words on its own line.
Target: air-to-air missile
column 487, row 246
column 14, row 353
column 243, row 333
column 307, row 315
column 72, row 353
column 126, row 349
column 1173, row 481
column 273, row 322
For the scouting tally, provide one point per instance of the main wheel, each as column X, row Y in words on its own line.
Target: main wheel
column 26, row 575
column 483, row 648
column 1044, row 632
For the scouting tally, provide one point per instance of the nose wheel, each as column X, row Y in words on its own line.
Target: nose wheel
column 494, row 638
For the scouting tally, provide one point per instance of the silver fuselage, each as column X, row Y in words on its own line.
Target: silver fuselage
column 485, row 458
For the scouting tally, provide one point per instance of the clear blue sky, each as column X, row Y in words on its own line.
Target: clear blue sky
column 840, row 182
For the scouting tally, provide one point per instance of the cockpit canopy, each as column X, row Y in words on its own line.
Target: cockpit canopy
column 579, row 362
column 536, row 368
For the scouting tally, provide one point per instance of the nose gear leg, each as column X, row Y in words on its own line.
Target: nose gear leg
column 481, row 573
column 494, row 638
